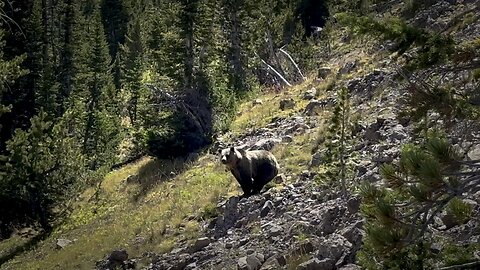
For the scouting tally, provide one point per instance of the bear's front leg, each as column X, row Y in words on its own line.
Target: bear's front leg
column 246, row 182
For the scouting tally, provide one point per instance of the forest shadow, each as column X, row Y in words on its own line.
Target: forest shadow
column 27, row 246
column 156, row 171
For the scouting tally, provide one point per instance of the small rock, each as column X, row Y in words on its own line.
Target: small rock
column 314, row 107
column 271, row 264
column 266, row 208
column 287, row 139
column 250, row 262
column 317, row 159
column 131, row 179
column 353, row 205
column 372, row 131
column 449, row 220
column 316, row 264
column 191, row 266
column 281, row 178
column 353, row 234
column 372, row 135
column 361, row 170
column 333, row 247
column 305, row 247
column 260, row 257
column 265, row 144
column 275, row 230
column 138, row 241
column 310, row 94
column 397, row 133
column 62, row 243
column 323, row 72
column 118, row 256
column 242, row 241
column 257, row 102
column 348, row 67
column 199, row 244
column 178, row 250
column 282, row 260
column 474, row 153
column 287, row 104
column 382, row 158
column 350, row 267
column 27, row 232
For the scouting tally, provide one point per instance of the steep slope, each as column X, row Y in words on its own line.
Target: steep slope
column 194, row 219
column 303, row 222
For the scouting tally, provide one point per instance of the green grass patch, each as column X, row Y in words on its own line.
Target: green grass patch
column 294, row 157
column 117, row 219
column 259, row 115
column 164, row 201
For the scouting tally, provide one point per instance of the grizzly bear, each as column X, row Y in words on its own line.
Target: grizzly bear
column 252, row 169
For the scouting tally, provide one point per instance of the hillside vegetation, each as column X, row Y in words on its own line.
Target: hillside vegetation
column 114, row 112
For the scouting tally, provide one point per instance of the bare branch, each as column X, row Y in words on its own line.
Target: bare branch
column 180, row 105
column 293, row 62
column 274, row 71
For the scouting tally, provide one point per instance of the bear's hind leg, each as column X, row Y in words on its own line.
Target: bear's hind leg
column 257, row 186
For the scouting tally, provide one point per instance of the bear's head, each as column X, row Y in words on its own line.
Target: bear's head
column 230, row 156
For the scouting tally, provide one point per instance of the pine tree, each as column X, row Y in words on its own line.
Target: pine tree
column 338, row 142
column 10, row 70
column 133, row 60
column 101, row 132
column 427, row 179
column 43, row 170
column 115, row 19
column 165, row 44
column 66, row 68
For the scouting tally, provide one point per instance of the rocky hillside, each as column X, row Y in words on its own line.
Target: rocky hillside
column 301, row 223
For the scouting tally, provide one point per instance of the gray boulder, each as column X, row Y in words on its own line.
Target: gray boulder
column 287, row 104
column 317, row 264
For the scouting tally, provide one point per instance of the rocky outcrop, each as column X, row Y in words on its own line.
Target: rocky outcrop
column 265, row 232
column 298, row 219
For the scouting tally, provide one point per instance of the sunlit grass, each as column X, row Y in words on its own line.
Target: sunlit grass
column 294, row 157
column 155, row 222
column 154, row 211
column 259, row 115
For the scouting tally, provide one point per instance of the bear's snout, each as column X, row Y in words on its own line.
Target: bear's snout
column 224, row 160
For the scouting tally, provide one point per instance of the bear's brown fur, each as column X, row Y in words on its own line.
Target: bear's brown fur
column 252, row 169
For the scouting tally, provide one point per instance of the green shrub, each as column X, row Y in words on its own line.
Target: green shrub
column 179, row 138
column 461, row 210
